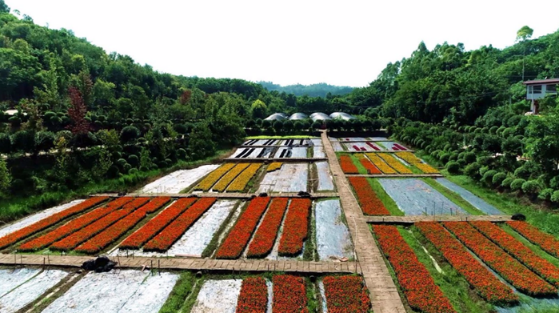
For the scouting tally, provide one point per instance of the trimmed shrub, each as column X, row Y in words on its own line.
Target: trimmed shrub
column 126, row 167
column 484, row 160
column 453, row 167
column 121, row 162
column 554, row 196
column 133, row 171
column 488, row 176
column 470, row 157
column 133, row 160
column 129, row 133
column 462, row 163
column 516, row 184
column 482, row 170
column 444, row 158
column 531, row 187
column 182, row 153
column 507, row 182
column 522, row 172
column 472, row 170
column 545, row 193
column 498, row 178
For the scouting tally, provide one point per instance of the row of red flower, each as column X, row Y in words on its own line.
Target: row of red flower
column 49, row 221
column 346, row 294
column 486, row 284
column 295, row 227
column 253, row 296
column 347, row 165
column 398, row 147
column 115, row 231
column 370, row 203
column 166, row 238
column 74, row 225
column 288, row 294
column 71, row 241
column 371, row 169
column 358, row 148
column 267, row 232
column 522, row 253
column 155, row 225
column 373, row 146
column 547, row 242
column 239, row 236
column 418, row 286
column 509, row 268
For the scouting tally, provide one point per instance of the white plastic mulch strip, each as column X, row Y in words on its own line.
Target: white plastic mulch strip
column 36, row 217
column 116, row 291
column 316, row 141
column 389, row 145
column 470, row 197
column 318, row 152
column 31, row 290
column 218, row 296
column 415, row 197
column 333, row 237
column 270, row 292
column 325, row 182
column 267, row 153
column 299, row 152
column 359, row 145
column 255, row 153
column 337, row 146
column 11, row 278
column 400, row 160
column 260, row 142
column 237, row 152
column 323, row 297
column 178, row 180
column 352, row 139
column 378, row 138
column 289, row 178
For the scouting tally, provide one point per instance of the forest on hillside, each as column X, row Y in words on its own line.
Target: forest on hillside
column 313, row 90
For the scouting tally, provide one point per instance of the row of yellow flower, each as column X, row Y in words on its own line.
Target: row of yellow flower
column 381, row 165
column 213, row 177
column 412, row 159
column 273, row 166
column 394, row 163
column 241, row 181
column 229, row 177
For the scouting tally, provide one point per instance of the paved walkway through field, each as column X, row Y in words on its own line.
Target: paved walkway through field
column 436, row 218
column 384, row 295
column 186, row 264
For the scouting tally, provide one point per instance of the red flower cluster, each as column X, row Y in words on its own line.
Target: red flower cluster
column 112, row 233
column 398, row 147
column 295, row 228
column 239, row 236
column 155, row 225
column 370, row 203
column 165, row 239
column 265, row 236
column 522, row 253
column 356, row 148
column 73, row 240
column 74, row 225
column 373, row 146
column 418, row 286
column 509, row 268
column 253, row 296
column 372, row 169
column 289, row 294
column 547, row 242
column 346, row 294
column 347, row 165
column 486, row 284
column 49, row 221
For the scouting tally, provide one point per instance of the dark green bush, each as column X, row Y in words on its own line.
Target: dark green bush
column 531, row 187
column 498, row 178
column 453, row 167
column 516, row 184
column 545, row 194
column 472, row 170
column 488, row 176
column 470, row 157
column 507, row 182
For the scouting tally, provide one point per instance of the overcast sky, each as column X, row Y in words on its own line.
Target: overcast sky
column 287, row 42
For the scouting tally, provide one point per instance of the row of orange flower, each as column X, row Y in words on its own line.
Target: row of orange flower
column 418, row 286
column 115, row 231
column 239, row 236
column 377, row 161
column 264, row 238
column 547, row 242
column 253, row 296
column 74, row 225
column 347, row 165
column 288, row 294
column 72, row 241
column 371, row 169
column 509, row 268
column 412, row 159
column 521, row 252
column 394, row 163
column 49, row 221
column 155, row 225
column 486, row 284
column 370, row 203
column 345, row 294
column 167, row 237
column 295, row 228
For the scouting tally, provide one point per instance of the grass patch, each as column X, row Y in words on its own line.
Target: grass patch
column 385, row 198
column 540, row 252
column 509, row 204
column 452, row 284
column 453, row 196
column 183, row 287
column 313, row 303
column 190, row 299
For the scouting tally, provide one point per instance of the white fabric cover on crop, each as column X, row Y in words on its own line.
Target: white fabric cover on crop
column 218, row 296
column 178, row 180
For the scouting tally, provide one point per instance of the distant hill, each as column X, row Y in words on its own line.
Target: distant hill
column 315, row 90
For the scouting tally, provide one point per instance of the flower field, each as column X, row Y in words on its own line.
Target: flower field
column 412, row 159
column 347, row 165
column 295, row 227
column 394, row 163
column 514, row 247
column 418, row 286
column 371, row 169
column 380, row 164
column 253, row 296
column 369, row 202
column 547, row 242
column 500, row 261
column 213, row 177
column 289, row 294
column 264, row 238
column 273, row 166
column 49, row 221
column 346, row 294
column 243, row 179
column 483, row 281
column 222, row 184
